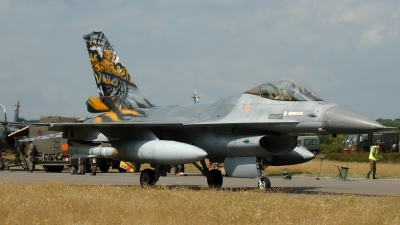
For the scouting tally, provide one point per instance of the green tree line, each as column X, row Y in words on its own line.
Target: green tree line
column 389, row 122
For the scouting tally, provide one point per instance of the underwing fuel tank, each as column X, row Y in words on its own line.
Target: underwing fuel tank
column 158, row 152
column 221, row 146
column 98, row 152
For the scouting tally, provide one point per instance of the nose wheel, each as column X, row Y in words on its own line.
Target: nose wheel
column 264, row 183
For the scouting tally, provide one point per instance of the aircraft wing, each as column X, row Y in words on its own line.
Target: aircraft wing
column 241, row 123
column 64, row 126
column 60, row 127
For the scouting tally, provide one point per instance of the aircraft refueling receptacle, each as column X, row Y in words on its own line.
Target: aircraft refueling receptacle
column 247, row 132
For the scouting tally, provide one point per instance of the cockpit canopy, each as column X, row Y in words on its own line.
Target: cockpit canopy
column 285, row 90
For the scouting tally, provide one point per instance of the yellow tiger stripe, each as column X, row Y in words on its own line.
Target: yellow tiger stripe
column 98, row 120
column 128, row 111
column 97, row 104
column 113, row 116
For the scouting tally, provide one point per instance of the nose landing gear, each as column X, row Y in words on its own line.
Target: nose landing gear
column 263, row 183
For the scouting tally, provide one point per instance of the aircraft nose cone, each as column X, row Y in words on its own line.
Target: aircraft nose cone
column 343, row 121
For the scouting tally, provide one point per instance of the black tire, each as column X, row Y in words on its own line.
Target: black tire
column 54, row 169
column 315, row 153
column 58, row 169
column 266, row 183
column 104, row 168
column 215, row 180
column 121, row 170
column 147, row 178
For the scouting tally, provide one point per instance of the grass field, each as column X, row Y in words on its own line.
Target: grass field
column 60, row 203
column 329, row 169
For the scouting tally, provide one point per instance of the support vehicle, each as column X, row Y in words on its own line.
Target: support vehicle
column 363, row 142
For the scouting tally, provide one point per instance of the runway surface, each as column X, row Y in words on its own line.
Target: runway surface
column 299, row 185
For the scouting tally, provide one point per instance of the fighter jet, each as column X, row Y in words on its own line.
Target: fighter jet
column 9, row 130
column 247, row 132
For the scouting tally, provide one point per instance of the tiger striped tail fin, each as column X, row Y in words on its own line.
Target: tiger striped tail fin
column 115, row 85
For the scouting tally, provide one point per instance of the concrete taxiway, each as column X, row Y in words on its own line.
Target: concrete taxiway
column 299, row 185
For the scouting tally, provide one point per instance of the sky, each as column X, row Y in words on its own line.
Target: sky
column 348, row 52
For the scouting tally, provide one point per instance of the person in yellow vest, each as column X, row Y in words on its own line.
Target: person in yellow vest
column 373, row 157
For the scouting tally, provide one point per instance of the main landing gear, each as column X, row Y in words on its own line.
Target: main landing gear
column 263, row 183
column 149, row 177
column 214, row 176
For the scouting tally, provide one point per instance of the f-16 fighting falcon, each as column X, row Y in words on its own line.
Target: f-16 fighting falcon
column 247, row 132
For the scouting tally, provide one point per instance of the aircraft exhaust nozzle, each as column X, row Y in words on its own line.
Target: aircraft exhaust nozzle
column 98, row 152
column 343, row 121
column 160, row 152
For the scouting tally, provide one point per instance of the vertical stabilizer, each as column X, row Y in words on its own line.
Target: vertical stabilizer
column 195, row 96
column 16, row 114
column 115, row 85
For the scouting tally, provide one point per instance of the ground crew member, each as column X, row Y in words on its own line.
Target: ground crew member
column 17, row 159
column 373, row 157
column 81, row 166
column 1, row 160
column 31, row 156
column 94, row 167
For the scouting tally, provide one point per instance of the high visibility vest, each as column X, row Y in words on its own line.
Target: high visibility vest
column 371, row 155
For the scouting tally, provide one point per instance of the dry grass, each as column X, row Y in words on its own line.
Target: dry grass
column 329, row 169
column 59, row 203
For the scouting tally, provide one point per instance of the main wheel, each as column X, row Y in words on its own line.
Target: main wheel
column 104, row 168
column 264, row 183
column 147, row 178
column 215, row 180
column 58, row 169
column 53, row 169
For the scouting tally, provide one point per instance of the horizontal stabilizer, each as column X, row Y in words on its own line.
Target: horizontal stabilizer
column 18, row 131
column 23, row 124
column 56, row 135
column 83, row 156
